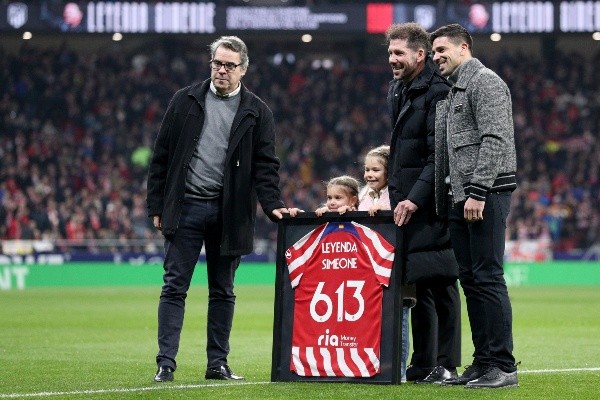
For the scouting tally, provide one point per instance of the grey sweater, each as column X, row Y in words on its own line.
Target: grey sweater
column 205, row 175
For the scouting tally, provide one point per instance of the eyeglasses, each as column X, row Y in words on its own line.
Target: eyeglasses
column 229, row 66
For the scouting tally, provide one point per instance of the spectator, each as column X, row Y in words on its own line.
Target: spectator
column 71, row 119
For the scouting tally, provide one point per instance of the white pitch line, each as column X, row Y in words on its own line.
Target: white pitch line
column 541, row 371
column 130, row 390
column 167, row 387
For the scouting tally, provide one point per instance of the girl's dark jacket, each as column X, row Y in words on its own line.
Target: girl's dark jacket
column 251, row 167
column 411, row 164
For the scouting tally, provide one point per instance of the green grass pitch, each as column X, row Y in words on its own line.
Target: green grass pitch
column 100, row 343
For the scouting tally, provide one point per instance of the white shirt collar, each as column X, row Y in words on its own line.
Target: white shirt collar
column 235, row 92
column 376, row 195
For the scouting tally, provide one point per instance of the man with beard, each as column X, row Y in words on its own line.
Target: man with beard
column 414, row 92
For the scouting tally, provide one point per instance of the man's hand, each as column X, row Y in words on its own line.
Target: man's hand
column 474, row 210
column 278, row 212
column 403, row 211
column 157, row 222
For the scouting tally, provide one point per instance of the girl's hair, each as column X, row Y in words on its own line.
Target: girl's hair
column 351, row 184
column 383, row 152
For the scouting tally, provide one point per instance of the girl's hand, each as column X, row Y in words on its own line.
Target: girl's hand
column 343, row 209
column 321, row 210
column 373, row 209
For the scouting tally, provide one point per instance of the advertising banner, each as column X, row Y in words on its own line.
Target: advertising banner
column 175, row 17
column 182, row 17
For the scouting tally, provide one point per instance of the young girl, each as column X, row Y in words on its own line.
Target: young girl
column 342, row 195
column 375, row 195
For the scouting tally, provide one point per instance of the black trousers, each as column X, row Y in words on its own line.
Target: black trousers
column 435, row 323
column 479, row 250
column 199, row 225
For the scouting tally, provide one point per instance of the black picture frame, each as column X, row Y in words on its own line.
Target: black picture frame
column 290, row 230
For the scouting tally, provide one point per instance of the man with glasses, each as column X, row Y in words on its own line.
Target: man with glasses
column 214, row 156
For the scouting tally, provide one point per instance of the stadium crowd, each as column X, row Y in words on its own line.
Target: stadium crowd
column 77, row 129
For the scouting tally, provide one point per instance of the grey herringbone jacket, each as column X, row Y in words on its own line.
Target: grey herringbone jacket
column 474, row 137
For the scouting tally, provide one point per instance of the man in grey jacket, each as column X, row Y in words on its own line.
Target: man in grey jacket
column 475, row 154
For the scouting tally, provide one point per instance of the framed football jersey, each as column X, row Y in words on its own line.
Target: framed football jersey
column 337, row 290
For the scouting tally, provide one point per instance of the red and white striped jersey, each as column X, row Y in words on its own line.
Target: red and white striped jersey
column 338, row 272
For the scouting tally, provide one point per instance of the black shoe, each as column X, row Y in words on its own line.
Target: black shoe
column 164, row 374
column 414, row 373
column 223, row 373
column 494, row 378
column 472, row 372
column 438, row 375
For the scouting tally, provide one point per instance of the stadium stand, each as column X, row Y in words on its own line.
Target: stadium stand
column 77, row 130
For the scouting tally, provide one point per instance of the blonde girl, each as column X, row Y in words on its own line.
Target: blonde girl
column 342, row 195
column 375, row 195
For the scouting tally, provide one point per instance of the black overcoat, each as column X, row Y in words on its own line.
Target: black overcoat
column 411, row 164
column 251, row 167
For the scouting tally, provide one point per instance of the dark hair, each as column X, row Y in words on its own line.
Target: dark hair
column 233, row 43
column 456, row 33
column 416, row 37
